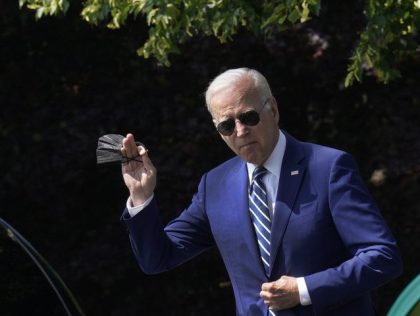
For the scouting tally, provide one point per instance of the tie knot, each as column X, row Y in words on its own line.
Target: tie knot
column 258, row 173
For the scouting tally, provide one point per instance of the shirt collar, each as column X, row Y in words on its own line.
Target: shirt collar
column 274, row 162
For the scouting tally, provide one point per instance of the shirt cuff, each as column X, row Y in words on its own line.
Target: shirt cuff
column 304, row 297
column 134, row 210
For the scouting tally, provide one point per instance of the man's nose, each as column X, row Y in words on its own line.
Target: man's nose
column 241, row 129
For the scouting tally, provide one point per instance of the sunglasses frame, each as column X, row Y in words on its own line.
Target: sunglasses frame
column 243, row 118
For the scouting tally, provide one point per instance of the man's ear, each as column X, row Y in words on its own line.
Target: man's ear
column 274, row 109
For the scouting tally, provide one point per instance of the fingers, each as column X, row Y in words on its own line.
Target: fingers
column 271, row 298
column 143, row 152
column 129, row 148
column 277, row 301
column 138, row 171
column 131, row 151
column 280, row 294
column 270, row 292
column 136, row 158
column 274, row 286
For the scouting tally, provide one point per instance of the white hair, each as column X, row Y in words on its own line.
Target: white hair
column 229, row 78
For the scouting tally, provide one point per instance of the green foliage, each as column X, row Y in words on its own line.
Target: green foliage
column 173, row 22
column 45, row 7
column 389, row 36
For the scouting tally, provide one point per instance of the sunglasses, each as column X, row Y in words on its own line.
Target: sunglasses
column 249, row 118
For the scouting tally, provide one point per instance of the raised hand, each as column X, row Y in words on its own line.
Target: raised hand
column 138, row 171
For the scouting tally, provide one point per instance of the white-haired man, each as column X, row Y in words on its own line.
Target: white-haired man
column 296, row 228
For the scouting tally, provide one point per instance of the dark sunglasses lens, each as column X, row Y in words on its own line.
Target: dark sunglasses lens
column 226, row 127
column 250, row 118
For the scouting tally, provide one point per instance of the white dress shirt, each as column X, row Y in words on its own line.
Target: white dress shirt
column 271, row 181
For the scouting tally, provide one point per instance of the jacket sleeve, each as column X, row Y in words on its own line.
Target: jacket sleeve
column 374, row 257
column 158, row 248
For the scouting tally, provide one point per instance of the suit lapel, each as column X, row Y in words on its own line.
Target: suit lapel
column 237, row 196
column 291, row 176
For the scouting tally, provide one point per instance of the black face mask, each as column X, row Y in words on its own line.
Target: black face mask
column 109, row 149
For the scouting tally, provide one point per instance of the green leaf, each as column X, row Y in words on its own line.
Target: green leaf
column 349, row 80
column 294, row 15
column 151, row 16
column 40, row 12
column 305, row 12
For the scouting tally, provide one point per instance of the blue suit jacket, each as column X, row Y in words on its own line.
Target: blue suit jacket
column 326, row 228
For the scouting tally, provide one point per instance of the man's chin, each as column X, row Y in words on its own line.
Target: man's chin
column 252, row 158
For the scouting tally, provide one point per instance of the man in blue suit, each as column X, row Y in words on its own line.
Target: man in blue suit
column 295, row 225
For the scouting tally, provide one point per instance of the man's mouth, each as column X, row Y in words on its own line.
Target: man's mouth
column 247, row 145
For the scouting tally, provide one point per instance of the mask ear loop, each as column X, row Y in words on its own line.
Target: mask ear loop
column 126, row 160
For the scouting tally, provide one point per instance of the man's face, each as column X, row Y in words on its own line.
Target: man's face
column 253, row 144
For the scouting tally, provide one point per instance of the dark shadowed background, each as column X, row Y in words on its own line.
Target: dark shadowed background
column 63, row 84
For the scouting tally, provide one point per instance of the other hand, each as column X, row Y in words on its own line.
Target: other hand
column 138, row 171
column 281, row 294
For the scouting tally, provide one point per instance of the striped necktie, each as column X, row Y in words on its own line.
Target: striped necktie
column 260, row 215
